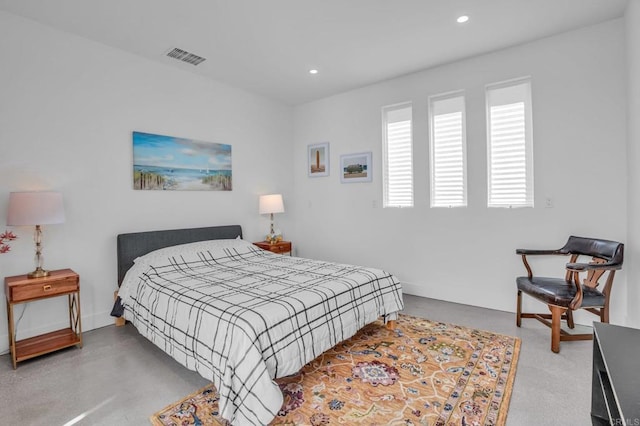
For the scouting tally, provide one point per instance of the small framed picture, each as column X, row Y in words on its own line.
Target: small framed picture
column 355, row 168
column 318, row 160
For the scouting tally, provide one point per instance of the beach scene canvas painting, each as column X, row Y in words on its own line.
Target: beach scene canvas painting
column 179, row 164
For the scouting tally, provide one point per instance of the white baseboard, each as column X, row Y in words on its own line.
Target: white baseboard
column 581, row 318
column 89, row 322
column 415, row 290
column 437, row 293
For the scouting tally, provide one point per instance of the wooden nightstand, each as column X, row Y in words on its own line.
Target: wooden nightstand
column 20, row 289
column 279, row 247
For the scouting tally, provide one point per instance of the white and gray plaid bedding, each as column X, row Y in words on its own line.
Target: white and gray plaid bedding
column 241, row 316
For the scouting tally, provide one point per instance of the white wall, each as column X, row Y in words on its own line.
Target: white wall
column 632, row 21
column 68, row 107
column 467, row 255
column 67, row 110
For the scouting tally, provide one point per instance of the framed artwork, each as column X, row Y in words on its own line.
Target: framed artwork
column 179, row 164
column 318, row 156
column 355, row 168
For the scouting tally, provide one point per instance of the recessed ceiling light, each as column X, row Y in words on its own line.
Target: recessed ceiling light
column 313, row 71
column 462, row 19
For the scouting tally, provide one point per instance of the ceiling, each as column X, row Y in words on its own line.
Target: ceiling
column 268, row 46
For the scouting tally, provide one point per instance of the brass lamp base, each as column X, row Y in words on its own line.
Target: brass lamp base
column 38, row 273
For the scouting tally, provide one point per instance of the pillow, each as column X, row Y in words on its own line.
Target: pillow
column 190, row 248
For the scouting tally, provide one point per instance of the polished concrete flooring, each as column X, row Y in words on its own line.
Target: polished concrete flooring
column 119, row 378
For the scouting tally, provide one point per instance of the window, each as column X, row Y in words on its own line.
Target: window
column 398, row 153
column 448, row 150
column 510, row 144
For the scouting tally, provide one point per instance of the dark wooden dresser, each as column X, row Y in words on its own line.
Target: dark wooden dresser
column 615, row 390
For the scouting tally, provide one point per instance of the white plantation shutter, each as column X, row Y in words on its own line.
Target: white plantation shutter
column 510, row 147
column 398, row 156
column 448, row 151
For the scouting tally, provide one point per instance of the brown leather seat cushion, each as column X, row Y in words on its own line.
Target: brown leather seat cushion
column 557, row 291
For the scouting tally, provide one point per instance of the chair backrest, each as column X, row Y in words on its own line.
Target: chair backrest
column 610, row 251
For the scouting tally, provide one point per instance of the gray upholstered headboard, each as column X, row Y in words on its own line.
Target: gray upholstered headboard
column 133, row 245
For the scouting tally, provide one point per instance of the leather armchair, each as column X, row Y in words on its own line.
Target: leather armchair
column 564, row 295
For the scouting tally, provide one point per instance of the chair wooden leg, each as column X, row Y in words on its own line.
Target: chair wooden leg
column 556, row 316
column 570, row 322
column 519, row 309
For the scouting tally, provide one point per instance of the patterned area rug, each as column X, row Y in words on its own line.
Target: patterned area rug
column 421, row 373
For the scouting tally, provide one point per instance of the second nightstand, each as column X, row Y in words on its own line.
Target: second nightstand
column 20, row 289
column 280, row 247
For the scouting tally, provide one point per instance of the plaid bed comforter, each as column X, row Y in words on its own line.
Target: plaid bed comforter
column 241, row 316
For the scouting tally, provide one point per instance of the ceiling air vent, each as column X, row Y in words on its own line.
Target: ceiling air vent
column 184, row 56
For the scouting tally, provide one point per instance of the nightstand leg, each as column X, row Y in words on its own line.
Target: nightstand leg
column 79, row 329
column 75, row 322
column 12, row 337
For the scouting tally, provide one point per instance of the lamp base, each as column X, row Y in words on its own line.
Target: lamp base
column 273, row 238
column 38, row 273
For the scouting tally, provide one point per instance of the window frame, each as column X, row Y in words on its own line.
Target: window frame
column 385, row 153
column 432, row 158
column 528, row 140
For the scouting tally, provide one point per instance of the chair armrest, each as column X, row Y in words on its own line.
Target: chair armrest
column 607, row 266
column 537, row 252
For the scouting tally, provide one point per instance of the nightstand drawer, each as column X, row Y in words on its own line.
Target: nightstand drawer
column 43, row 288
column 278, row 248
column 281, row 248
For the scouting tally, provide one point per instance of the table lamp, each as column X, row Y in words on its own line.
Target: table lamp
column 35, row 208
column 270, row 204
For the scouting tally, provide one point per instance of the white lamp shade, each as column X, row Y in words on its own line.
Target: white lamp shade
column 271, row 204
column 35, row 208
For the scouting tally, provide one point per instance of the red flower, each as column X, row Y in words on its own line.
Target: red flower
column 6, row 236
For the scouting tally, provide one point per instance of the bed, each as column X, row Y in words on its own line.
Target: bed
column 241, row 316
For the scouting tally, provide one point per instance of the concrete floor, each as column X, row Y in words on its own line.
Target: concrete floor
column 119, row 378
